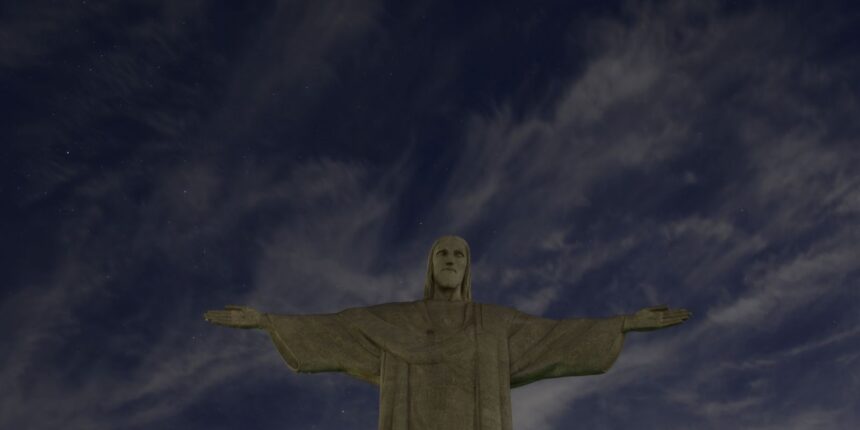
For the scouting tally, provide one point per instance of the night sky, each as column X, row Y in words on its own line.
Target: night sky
column 163, row 158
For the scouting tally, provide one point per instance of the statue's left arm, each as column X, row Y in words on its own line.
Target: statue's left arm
column 542, row 348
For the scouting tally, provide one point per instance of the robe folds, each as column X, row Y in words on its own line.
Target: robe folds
column 434, row 377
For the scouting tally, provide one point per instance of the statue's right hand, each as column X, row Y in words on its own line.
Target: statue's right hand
column 236, row 317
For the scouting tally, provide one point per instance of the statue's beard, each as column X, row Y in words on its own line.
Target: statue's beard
column 447, row 279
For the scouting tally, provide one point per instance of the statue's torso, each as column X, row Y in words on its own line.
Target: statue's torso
column 444, row 392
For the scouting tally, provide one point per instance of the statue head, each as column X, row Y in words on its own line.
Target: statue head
column 448, row 269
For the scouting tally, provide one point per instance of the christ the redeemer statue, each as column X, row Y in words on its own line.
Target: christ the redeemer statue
column 446, row 362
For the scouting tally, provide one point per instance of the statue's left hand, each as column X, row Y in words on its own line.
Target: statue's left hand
column 654, row 318
column 236, row 317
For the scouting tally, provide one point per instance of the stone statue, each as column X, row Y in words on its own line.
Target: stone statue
column 446, row 362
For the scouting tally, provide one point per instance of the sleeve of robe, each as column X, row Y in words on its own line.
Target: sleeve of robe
column 325, row 343
column 542, row 348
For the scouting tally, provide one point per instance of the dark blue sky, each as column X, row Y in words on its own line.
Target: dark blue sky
column 159, row 159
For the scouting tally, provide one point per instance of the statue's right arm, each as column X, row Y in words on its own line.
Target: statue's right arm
column 309, row 343
column 237, row 317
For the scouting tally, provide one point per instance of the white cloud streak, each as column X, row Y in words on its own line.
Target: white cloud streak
column 177, row 368
column 537, row 169
column 636, row 106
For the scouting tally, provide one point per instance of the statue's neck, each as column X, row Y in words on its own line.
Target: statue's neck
column 447, row 294
column 446, row 315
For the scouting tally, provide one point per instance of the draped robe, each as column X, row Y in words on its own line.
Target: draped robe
column 433, row 375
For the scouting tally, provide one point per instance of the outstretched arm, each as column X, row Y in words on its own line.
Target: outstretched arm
column 655, row 318
column 309, row 343
column 236, row 317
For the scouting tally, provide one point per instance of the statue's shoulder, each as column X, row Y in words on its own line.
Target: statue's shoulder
column 491, row 307
column 384, row 310
column 393, row 307
column 498, row 314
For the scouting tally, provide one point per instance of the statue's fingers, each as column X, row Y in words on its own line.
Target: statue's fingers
column 210, row 315
column 217, row 321
column 235, row 307
column 221, row 318
column 218, row 317
column 676, row 313
column 672, row 321
column 228, row 322
column 658, row 308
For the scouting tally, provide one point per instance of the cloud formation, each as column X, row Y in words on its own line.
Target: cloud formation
column 699, row 156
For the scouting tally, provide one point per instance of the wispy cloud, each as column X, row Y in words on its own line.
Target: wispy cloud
column 685, row 162
column 166, row 214
column 778, row 290
column 639, row 108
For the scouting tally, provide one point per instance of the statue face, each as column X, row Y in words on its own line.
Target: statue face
column 449, row 263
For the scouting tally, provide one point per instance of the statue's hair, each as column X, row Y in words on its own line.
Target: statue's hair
column 465, row 286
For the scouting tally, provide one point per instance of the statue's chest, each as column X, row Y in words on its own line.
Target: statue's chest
column 446, row 316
